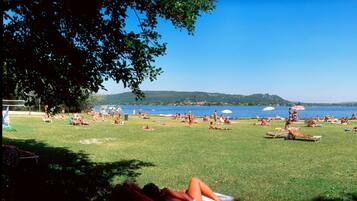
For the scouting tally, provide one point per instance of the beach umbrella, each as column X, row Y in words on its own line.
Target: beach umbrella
column 268, row 108
column 226, row 111
column 298, row 107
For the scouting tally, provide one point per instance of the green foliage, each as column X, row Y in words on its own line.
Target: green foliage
column 63, row 50
column 193, row 98
column 90, row 102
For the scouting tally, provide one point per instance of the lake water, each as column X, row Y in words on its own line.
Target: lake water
column 237, row 111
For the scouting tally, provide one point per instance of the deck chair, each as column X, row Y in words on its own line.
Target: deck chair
column 13, row 156
column 221, row 196
column 304, row 138
column 276, row 134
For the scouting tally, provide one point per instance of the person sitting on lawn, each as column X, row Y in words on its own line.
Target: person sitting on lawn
column 190, row 119
column 212, row 126
column 205, row 118
column 147, row 128
column 82, row 121
column 96, row 117
column 263, row 122
column 344, row 121
column 145, row 116
column 117, row 119
column 76, row 119
column 150, row 192
column 73, row 121
column 227, row 121
column 175, row 117
column 311, row 123
column 46, row 118
column 353, row 117
column 79, row 119
column 328, row 118
column 287, row 125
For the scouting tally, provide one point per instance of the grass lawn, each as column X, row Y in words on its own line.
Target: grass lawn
column 238, row 162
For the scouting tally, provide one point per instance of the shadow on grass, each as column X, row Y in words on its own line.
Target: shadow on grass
column 341, row 197
column 62, row 175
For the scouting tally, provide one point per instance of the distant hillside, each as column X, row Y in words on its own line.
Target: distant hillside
column 194, row 98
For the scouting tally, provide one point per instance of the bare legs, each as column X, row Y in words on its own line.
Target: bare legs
column 197, row 188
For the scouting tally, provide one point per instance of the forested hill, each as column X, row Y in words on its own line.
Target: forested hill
column 194, row 98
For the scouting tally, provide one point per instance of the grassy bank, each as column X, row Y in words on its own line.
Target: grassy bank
column 238, row 162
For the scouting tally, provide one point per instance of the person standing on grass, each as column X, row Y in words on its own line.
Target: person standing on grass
column 46, row 111
column 190, row 119
column 221, row 120
column 119, row 110
column 215, row 116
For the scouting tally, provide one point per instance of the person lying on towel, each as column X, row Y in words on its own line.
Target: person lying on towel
column 296, row 133
column 150, row 192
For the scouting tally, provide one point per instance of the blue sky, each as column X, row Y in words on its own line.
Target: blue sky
column 300, row 50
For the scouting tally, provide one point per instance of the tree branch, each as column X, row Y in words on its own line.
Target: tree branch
column 8, row 4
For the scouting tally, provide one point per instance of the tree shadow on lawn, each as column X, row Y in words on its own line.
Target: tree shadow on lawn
column 340, row 197
column 62, row 175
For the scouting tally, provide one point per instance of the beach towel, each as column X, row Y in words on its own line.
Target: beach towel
column 221, row 196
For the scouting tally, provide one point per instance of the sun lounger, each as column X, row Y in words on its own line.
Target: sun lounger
column 276, row 134
column 221, row 196
column 12, row 156
column 305, row 138
column 220, row 129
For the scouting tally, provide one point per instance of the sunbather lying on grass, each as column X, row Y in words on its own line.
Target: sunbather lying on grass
column 76, row 119
column 263, row 122
column 150, row 192
column 147, row 128
column 214, row 127
column 296, row 133
column 312, row 123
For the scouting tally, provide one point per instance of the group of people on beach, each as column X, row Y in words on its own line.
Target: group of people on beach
column 263, row 122
column 47, row 117
column 343, row 120
column 215, row 121
column 314, row 122
column 185, row 118
column 114, row 114
column 293, row 115
column 222, row 119
column 77, row 119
